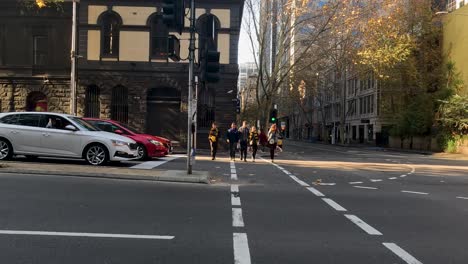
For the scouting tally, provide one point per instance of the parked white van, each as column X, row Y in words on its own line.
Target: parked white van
column 36, row 134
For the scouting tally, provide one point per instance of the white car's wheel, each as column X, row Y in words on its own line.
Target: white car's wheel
column 6, row 150
column 141, row 152
column 96, row 155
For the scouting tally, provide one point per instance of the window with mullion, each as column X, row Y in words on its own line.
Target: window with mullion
column 110, row 35
column 40, row 50
column 159, row 38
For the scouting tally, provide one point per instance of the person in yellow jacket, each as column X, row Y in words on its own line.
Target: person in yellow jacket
column 213, row 138
column 253, row 141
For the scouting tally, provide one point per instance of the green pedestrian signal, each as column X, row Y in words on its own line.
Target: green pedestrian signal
column 273, row 115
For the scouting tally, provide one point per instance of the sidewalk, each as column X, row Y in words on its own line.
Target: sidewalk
column 109, row 172
column 441, row 155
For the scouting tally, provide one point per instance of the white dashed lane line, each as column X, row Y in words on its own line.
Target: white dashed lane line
column 402, row 253
column 315, row 191
column 240, row 240
column 241, row 249
column 462, row 197
column 237, row 219
column 365, row 187
column 402, row 176
column 392, row 178
column 357, row 182
column 412, row 192
column 363, row 225
column 334, row 205
column 375, row 180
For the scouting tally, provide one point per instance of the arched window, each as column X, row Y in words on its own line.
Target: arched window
column 159, row 37
column 207, row 26
column 119, row 104
column 92, row 104
column 110, row 33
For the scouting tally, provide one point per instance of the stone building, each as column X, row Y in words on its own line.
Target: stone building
column 34, row 58
column 124, row 69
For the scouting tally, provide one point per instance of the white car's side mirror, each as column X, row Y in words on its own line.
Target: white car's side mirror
column 70, row 127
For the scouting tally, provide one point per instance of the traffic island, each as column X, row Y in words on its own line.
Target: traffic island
column 33, row 168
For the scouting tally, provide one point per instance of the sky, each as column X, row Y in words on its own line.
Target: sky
column 245, row 51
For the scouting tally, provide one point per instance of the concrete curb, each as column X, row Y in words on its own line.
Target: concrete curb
column 164, row 176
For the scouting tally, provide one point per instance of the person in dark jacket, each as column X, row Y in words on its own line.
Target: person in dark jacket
column 253, row 141
column 232, row 137
column 244, row 140
column 213, row 138
column 263, row 139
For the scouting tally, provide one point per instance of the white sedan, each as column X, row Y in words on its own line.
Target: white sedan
column 59, row 135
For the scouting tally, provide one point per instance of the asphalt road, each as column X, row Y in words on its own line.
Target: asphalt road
column 316, row 204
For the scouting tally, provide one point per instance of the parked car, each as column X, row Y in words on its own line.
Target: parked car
column 59, row 135
column 148, row 146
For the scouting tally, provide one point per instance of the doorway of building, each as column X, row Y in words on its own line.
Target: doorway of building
column 361, row 134
column 163, row 113
column 36, row 101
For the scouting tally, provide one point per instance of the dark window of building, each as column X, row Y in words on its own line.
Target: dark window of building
column 159, row 37
column 110, row 30
column 119, row 104
column 92, row 104
column 40, row 50
column 207, row 26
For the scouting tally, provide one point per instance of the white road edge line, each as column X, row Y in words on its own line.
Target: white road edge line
column 315, row 191
column 363, row 225
column 401, row 253
column 73, row 234
column 356, row 182
column 241, row 249
column 461, row 197
column 237, row 219
column 334, row 205
column 423, row 193
column 365, row 187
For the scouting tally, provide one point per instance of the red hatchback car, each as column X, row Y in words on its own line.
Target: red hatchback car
column 148, row 146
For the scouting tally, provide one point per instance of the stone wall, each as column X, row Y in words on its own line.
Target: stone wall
column 14, row 95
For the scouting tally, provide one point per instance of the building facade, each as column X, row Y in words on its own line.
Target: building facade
column 125, row 71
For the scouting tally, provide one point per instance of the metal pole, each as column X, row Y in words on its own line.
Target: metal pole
column 194, row 115
column 73, row 64
column 190, row 85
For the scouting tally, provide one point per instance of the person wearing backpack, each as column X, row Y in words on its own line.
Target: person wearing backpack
column 213, row 138
column 273, row 135
column 253, row 141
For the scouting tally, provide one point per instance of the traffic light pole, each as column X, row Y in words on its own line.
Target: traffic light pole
column 190, row 86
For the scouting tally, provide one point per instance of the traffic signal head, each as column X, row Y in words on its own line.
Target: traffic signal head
column 210, row 66
column 273, row 116
column 174, row 14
